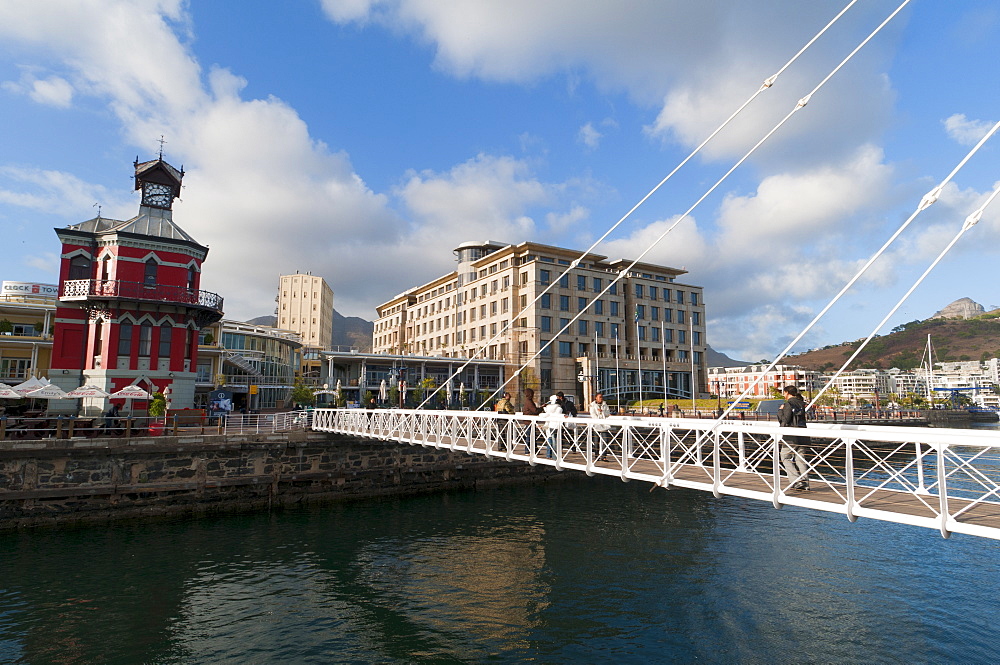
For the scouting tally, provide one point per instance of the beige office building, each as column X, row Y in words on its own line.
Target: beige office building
column 510, row 302
column 305, row 306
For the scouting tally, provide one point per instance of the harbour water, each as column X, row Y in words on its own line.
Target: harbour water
column 589, row 570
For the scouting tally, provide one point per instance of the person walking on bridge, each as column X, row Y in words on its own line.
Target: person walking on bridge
column 793, row 414
column 599, row 410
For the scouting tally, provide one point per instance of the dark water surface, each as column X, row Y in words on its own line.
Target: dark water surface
column 590, row 570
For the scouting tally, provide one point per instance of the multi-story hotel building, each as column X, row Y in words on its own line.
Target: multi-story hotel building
column 758, row 381
column 511, row 302
column 305, row 306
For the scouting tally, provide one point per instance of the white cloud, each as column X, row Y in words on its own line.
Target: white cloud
column 53, row 91
column 58, row 193
column 589, row 136
column 698, row 61
column 964, row 131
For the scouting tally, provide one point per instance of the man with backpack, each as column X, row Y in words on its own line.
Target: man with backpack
column 793, row 414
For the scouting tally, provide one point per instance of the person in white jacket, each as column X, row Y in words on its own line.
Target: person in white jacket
column 599, row 410
column 552, row 414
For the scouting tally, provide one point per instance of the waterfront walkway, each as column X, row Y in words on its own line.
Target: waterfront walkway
column 945, row 479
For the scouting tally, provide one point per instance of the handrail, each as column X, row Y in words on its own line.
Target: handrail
column 115, row 288
column 944, row 479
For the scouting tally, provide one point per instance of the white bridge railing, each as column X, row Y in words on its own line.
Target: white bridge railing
column 944, row 479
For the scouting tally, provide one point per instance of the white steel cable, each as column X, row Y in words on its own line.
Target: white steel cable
column 764, row 86
column 799, row 105
column 969, row 222
column 927, row 200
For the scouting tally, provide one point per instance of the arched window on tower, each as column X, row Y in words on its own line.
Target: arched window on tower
column 79, row 267
column 149, row 277
column 166, row 331
column 125, row 339
column 192, row 278
column 145, row 339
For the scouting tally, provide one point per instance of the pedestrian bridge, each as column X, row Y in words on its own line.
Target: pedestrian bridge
column 944, row 479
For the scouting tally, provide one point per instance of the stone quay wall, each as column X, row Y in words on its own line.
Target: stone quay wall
column 81, row 480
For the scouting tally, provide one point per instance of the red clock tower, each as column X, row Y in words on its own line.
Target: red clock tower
column 129, row 304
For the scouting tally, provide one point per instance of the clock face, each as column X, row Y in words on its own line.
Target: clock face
column 155, row 194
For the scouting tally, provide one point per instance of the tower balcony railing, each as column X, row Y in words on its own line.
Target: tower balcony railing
column 99, row 289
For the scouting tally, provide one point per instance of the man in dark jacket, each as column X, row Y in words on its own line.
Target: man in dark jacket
column 793, row 414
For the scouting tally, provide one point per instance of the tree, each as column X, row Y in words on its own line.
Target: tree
column 157, row 405
column 302, row 393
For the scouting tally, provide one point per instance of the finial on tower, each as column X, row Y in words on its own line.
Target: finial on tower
column 162, row 141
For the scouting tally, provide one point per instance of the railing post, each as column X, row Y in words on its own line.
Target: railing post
column 942, row 480
column 716, row 466
column 849, row 478
column 626, row 444
column 776, row 472
column 742, row 464
column 921, row 488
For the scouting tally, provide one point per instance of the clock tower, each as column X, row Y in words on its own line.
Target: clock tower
column 130, row 299
column 160, row 183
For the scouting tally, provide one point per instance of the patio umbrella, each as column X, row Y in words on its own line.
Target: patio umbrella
column 6, row 392
column 383, row 393
column 47, row 392
column 402, row 390
column 130, row 392
column 29, row 385
column 87, row 391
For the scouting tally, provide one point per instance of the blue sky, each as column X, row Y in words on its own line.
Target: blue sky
column 362, row 140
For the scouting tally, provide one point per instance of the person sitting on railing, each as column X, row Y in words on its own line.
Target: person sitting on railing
column 793, row 414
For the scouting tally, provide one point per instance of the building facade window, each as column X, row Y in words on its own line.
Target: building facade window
column 565, row 349
column 546, row 301
column 79, row 267
column 563, row 303
column 125, row 340
column 166, row 332
column 149, row 273
column 145, row 339
column 546, row 324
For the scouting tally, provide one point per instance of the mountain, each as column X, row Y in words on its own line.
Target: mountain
column 963, row 308
column 717, row 359
column 953, row 339
column 352, row 331
column 348, row 331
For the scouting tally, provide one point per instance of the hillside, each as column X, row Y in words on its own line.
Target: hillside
column 952, row 339
column 350, row 331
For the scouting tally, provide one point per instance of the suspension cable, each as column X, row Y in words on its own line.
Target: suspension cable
column 799, row 105
column 928, row 200
column 764, row 86
column 969, row 222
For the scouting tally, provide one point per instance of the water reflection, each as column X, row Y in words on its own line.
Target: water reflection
column 592, row 568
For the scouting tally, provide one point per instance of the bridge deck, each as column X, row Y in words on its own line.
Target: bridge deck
column 892, row 474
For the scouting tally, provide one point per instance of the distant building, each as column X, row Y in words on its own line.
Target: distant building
column 27, row 310
column 358, row 373
column 494, row 303
column 734, row 381
column 305, row 306
column 257, row 364
column 130, row 306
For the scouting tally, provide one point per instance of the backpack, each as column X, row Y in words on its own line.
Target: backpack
column 569, row 408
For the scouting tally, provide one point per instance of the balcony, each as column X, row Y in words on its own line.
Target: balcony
column 207, row 305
